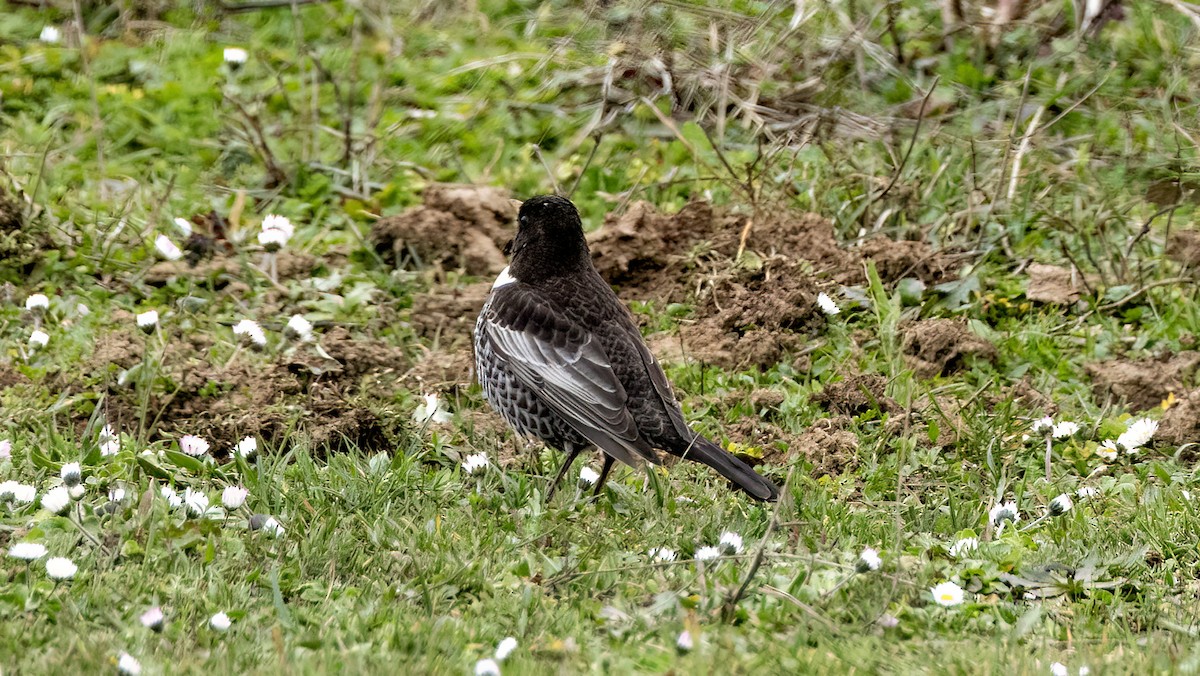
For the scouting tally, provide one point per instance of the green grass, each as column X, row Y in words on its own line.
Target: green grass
column 394, row 558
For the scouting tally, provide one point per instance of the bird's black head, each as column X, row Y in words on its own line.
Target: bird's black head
column 549, row 240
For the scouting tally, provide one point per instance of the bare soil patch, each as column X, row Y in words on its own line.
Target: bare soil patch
column 939, row 347
column 1053, row 284
column 1181, row 423
column 1143, row 383
column 856, row 395
column 457, row 227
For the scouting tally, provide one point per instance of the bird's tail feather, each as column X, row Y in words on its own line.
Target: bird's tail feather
column 704, row 451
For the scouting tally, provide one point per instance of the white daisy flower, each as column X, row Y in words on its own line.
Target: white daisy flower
column 868, row 561
column 148, row 320
column 1043, row 425
column 1139, row 433
column 1058, row 669
column 250, row 333
column 1061, row 505
column 963, row 547
column 18, row 492
column 71, row 473
column 473, row 464
column 588, row 476
column 276, row 231
column 83, row 310
column 184, row 226
column 1086, row 492
column 56, row 500
column 128, row 665
column 299, row 328
column 487, row 667
column 947, row 594
column 38, row 339
column 172, row 498
column 153, row 619
column 505, row 648
column 50, row 35
column 61, row 568
column 193, row 445
column 166, row 248
column 76, row 491
column 195, row 502
column 684, row 643
column 220, row 622
column 730, row 543
column 235, row 56
column 1107, row 450
column 662, row 554
column 247, row 447
column 826, row 304
column 27, row 551
column 234, row 497
column 1064, row 429
column 116, row 494
column 266, row 523
column 5, row 449
column 37, row 303
column 1003, row 513
column 707, row 553
column 433, row 410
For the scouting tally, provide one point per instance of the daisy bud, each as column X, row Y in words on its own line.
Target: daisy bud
column 1061, row 505
column 1064, row 429
column 474, row 464
column 50, row 35
column 707, row 553
column 827, row 305
column 247, row 448
column 184, row 226
column 868, row 561
column 505, row 648
column 588, row 477
column 193, row 445
column 76, row 491
column 153, row 619
column 1003, row 513
column 61, row 568
column 220, row 622
column 235, row 57
column 38, row 339
column 684, row 643
column 147, row 321
column 56, row 500
column 5, row 449
column 37, row 303
column 71, row 473
column 488, row 667
column 298, row 328
column 166, row 248
column 730, row 543
column 234, row 497
column 195, row 502
column 128, row 665
column 250, row 333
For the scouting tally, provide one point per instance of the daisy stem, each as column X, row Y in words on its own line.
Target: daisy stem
column 841, row 583
column 1049, row 447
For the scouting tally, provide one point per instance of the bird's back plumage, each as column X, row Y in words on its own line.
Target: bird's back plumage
column 559, row 356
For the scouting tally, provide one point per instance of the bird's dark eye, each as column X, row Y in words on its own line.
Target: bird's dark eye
column 524, row 220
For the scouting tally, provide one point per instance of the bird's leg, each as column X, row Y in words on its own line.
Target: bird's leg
column 608, row 463
column 572, row 451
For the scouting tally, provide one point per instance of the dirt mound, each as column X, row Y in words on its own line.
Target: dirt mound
column 446, row 316
column 21, row 243
column 1181, row 423
column 335, row 401
column 441, row 370
column 1143, row 383
column 223, row 269
column 754, row 284
column 856, row 395
column 457, row 226
column 1053, row 284
column 941, row 346
column 1183, row 246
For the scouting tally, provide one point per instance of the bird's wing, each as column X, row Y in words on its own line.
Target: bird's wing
column 565, row 364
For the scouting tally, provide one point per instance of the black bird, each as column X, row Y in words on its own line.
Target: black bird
column 561, row 359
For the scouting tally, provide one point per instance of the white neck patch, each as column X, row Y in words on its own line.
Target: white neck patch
column 504, row 278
